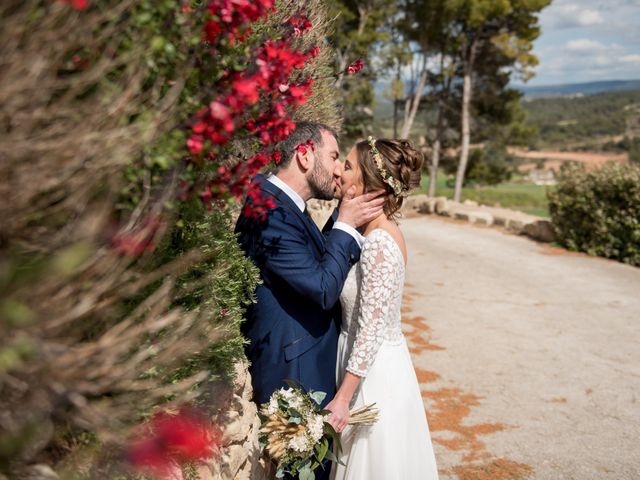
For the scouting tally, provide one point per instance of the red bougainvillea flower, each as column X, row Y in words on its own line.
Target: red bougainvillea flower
column 300, row 24
column 135, row 243
column 194, row 144
column 247, row 89
column 234, row 18
column 302, row 148
column 168, row 440
column 355, row 67
column 77, row 4
column 257, row 205
column 314, row 52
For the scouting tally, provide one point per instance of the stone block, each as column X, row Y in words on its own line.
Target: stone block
column 541, row 230
column 500, row 220
column 428, row 207
column 442, row 206
column 514, row 225
column 461, row 216
column 481, row 218
column 414, row 202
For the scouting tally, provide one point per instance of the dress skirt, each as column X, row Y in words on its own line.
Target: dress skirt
column 398, row 446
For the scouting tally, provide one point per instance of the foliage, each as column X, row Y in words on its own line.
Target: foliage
column 489, row 165
column 356, row 31
column 564, row 121
column 634, row 151
column 598, row 212
column 122, row 283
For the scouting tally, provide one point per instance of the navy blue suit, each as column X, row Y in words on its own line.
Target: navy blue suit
column 293, row 328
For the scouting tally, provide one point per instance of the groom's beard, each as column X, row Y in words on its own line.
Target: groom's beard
column 321, row 183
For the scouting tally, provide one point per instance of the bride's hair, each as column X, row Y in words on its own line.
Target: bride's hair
column 400, row 160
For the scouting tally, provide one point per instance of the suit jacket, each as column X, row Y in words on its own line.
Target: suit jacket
column 293, row 328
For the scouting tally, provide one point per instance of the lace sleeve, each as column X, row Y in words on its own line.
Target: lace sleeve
column 376, row 295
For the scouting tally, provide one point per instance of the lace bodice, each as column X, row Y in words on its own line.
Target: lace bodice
column 371, row 299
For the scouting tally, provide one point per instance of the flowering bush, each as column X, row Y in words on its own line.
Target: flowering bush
column 125, row 286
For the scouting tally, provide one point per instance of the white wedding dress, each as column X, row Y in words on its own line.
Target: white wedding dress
column 372, row 346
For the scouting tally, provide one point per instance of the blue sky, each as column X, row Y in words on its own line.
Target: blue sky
column 588, row 40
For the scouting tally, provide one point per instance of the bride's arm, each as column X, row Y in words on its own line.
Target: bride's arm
column 374, row 303
column 339, row 406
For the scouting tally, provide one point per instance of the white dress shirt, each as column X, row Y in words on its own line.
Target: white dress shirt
column 297, row 199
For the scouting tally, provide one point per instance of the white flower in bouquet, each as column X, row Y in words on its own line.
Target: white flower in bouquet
column 299, row 443
column 316, row 426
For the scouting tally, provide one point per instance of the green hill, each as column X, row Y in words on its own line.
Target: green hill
column 586, row 122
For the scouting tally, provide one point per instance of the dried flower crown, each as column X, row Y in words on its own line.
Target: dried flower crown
column 387, row 178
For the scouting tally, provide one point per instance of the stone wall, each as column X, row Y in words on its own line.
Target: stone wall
column 537, row 228
column 239, row 457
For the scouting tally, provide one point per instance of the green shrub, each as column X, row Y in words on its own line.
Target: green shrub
column 634, row 150
column 598, row 212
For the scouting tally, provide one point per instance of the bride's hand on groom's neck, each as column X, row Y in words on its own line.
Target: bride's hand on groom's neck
column 358, row 211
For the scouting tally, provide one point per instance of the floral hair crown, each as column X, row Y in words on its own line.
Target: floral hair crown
column 387, row 178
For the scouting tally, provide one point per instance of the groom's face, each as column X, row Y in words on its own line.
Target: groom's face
column 324, row 177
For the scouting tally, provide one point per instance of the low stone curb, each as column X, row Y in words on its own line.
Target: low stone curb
column 519, row 223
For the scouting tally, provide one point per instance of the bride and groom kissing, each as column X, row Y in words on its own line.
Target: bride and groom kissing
column 327, row 311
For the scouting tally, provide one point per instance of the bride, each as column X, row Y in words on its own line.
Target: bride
column 373, row 359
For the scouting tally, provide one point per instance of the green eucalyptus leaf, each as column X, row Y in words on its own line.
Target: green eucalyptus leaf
column 317, row 397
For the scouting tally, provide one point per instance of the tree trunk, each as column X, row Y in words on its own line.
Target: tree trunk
column 417, row 95
column 437, row 144
column 395, row 104
column 469, row 61
column 435, row 153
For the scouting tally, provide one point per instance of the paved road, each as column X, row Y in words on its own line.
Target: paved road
column 528, row 357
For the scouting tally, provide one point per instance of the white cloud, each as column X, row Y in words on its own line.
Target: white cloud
column 584, row 45
column 585, row 40
column 584, row 59
column 571, row 15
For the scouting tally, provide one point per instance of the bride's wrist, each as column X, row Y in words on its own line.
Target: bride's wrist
column 342, row 399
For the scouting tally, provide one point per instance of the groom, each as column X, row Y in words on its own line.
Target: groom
column 293, row 328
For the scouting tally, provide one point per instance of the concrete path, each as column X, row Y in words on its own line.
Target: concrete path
column 528, row 356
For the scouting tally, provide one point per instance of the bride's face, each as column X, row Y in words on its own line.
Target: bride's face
column 351, row 173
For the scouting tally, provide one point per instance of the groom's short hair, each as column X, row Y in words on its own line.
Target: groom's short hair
column 304, row 132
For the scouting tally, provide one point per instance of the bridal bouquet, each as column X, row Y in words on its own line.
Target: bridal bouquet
column 295, row 432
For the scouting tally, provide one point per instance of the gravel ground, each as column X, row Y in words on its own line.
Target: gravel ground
column 528, row 356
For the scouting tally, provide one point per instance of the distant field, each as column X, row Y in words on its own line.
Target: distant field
column 525, row 197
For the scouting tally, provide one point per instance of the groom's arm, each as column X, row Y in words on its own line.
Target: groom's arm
column 333, row 222
column 286, row 256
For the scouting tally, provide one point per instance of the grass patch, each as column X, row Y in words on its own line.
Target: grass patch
column 516, row 195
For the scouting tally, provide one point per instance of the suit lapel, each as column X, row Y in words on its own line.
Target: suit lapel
column 287, row 203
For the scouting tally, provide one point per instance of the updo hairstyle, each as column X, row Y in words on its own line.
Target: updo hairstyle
column 402, row 162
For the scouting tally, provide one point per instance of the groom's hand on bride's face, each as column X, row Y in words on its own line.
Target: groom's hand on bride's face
column 360, row 210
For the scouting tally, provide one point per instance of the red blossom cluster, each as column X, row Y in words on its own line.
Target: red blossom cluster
column 300, row 24
column 257, row 205
column 239, row 108
column 77, row 4
column 302, row 148
column 135, row 243
column 170, row 439
column 233, row 17
column 355, row 67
